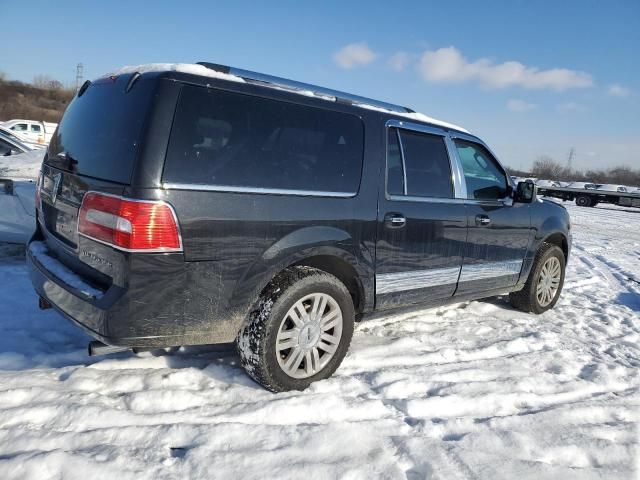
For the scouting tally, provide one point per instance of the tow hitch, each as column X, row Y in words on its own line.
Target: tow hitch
column 43, row 303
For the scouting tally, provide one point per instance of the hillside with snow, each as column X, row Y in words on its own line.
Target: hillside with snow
column 471, row 391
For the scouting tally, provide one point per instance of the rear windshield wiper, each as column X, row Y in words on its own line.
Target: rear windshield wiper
column 70, row 161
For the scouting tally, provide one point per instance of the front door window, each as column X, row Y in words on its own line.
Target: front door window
column 484, row 177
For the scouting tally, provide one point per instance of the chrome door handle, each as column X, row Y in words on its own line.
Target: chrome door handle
column 483, row 220
column 395, row 220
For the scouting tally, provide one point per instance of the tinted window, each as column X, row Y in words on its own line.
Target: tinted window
column 20, row 127
column 100, row 130
column 484, row 177
column 35, row 128
column 428, row 171
column 5, row 147
column 395, row 171
column 234, row 140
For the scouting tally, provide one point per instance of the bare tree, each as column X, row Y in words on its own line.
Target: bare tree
column 549, row 169
column 41, row 81
column 46, row 82
column 56, row 85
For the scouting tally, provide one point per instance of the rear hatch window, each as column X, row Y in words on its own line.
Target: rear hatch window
column 99, row 134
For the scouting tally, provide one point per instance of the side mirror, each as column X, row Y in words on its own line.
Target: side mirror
column 525, row 192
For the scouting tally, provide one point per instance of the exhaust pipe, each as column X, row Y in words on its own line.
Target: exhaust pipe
column 99, row 348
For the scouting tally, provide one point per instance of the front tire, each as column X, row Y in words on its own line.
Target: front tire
column 299, row 331
column 544, row 285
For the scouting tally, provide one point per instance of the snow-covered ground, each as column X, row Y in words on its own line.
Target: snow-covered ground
column 477, row 391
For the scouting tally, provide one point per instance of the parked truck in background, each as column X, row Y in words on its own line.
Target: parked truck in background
column 590, row 197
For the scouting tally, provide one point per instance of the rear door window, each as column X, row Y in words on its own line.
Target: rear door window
column 395, row 168
column 422, row 161
column 235, row 140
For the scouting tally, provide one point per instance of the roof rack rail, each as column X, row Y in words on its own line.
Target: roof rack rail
column 294, row 86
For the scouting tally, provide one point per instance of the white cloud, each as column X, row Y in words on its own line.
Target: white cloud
column 448, row 65
column 354, row 55
column 517, row 105
column 616, row 90
column 399, row 61
column 569, row 107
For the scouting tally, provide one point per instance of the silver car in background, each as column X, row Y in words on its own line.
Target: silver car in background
column 18, row 175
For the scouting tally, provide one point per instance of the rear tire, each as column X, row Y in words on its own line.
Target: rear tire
column 299, row 331
column 583, row 201
column 544, row 285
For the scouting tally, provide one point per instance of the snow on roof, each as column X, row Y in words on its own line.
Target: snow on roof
column 191, row 68
column 201, row 70
column 421, row 117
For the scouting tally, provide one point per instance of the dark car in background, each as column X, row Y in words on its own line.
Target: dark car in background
column 198, row 204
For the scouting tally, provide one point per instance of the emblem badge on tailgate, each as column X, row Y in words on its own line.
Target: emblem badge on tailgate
column 95, row 259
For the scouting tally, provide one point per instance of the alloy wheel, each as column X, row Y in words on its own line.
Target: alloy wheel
column 309, row 335
column 548, row 281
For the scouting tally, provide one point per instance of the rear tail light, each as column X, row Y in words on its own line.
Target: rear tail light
column 38, row 186
column 130, row 225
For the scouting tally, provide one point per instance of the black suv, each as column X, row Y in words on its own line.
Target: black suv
column 198, row 204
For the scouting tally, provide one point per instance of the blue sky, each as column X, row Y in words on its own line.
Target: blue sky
column 531, row 78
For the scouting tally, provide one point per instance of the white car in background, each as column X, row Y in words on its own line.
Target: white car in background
column 583, row 185
column 18, row 176
column 548, row 183
column 613, row 188
column 32, row 130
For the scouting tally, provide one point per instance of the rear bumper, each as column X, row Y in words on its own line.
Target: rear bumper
column 111, row 316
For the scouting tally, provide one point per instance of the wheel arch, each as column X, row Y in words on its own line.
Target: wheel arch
column 326, row 248
column 560, row 240
column 343, row 271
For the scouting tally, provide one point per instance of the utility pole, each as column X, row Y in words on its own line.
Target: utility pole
column 572, row 153
column 79, row 76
